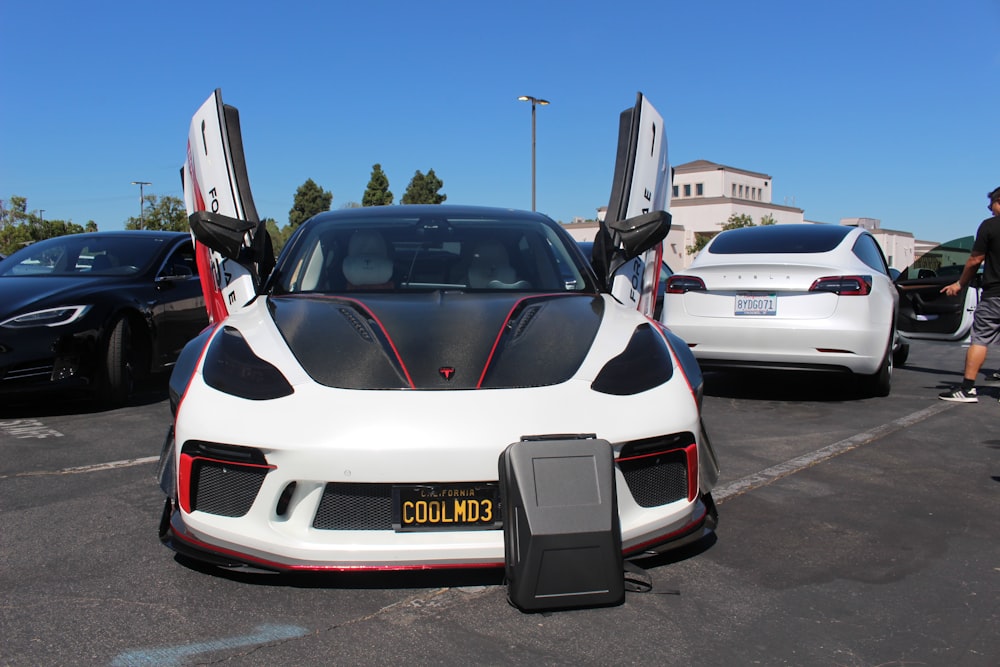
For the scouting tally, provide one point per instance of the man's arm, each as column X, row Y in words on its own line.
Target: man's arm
column 971, row 266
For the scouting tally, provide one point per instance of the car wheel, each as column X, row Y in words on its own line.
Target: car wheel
column 901, row 353
column 119, row 367
column 880, row 382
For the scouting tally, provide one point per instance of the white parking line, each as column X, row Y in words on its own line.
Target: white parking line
column 28, row 428
column 768, row 475
column 110, row 465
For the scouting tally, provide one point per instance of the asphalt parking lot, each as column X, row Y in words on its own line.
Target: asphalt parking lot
column 852, row 532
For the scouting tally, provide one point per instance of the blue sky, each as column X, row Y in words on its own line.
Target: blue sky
column 871, row 108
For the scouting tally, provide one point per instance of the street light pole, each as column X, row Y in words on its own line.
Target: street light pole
column 140, row 184
column 539, row 102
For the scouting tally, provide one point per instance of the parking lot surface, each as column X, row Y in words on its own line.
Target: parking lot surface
column 852, row 532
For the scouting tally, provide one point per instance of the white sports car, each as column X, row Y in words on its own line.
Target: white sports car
column 353, row 415
column 799, row 296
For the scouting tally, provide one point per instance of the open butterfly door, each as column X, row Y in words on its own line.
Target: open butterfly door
column 641, row 187
column 215, row 185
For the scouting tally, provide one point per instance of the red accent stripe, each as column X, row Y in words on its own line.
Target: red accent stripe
column 215, row 303
column 184, row 481
column 496, row 342
column 677, row 365
column 692, row 465
column 275, row 565
column 385, row 333
column 201, row 358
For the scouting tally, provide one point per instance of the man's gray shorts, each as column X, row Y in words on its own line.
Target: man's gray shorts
column 986, row 322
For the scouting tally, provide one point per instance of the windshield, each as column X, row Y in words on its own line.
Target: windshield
column 396, row 253
column 75, row 255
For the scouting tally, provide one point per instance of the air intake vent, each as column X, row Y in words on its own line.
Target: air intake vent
column 225, row 489
column 355, row 507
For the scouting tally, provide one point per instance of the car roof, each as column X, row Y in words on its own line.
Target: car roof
column 433, row 210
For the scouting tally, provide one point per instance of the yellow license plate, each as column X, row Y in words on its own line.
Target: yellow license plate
column 472, row 506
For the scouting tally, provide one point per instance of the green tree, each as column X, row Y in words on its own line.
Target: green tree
column 768, row 219
column 19, row 227
column 279, row 237
column 377, row 193
column 423, row 189
column 167, row 214
column 310, row 199
column 735, row 221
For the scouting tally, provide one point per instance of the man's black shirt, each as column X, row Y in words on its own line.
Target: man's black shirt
column 988, row 243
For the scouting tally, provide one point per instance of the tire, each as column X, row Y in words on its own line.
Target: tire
column 901, row 353
column 118, row 377
column 879, row 384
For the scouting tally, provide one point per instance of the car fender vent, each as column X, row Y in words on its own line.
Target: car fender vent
column 524, row 321
column 359, row 326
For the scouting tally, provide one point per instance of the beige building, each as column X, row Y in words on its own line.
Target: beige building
column 705, row 195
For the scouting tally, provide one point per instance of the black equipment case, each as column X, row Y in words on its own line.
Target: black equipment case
column 562, row 535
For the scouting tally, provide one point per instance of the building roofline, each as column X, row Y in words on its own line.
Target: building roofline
column 706, row 165
column 702, row 201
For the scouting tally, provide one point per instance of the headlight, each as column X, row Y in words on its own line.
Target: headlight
column 50, row 317
column 645, row 363
column 232, row 367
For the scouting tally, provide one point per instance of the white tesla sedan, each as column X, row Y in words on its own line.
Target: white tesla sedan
column 800, row 297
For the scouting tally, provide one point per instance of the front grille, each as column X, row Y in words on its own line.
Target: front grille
column 355, row 507
column 225, row 489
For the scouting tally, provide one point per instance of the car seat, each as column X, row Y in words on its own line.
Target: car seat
column 490, row 267
column 367, row 265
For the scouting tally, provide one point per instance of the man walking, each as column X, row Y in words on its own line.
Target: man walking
column 986, row 319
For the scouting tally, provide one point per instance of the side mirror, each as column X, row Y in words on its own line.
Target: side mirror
column 176, row 273
column 221, row 233
column 638, row 234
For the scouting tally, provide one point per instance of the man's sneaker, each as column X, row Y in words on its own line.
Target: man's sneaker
column 959, row 396
column 993, row 377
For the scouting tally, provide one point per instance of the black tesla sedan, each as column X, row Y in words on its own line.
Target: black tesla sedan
column 97, row 311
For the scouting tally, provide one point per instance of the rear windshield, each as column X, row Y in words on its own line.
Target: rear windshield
column 778, row 239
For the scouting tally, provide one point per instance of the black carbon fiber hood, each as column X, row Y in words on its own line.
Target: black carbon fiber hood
column 439, row 340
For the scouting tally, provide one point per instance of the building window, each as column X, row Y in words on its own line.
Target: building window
column 699, row 189
column 734, row 190
column 687, row 189
column 675, row 190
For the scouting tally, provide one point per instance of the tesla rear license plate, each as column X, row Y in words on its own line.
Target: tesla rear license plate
column 438, row 507
column 756, row 303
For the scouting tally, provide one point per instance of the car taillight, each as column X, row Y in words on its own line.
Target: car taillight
column 679, row 284
column 844, row 285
